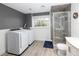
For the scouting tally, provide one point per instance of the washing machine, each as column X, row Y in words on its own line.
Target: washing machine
column 17, row 41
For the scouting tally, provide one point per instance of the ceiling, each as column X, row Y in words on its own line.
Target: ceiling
column 32, row 7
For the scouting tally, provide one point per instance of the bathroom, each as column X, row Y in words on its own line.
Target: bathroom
column 59, row 30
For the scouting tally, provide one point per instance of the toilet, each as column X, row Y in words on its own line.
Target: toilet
column 61, row 49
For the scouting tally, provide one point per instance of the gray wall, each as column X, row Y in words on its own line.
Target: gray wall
column 42, row 13
column 10, row 18
column 28, row 20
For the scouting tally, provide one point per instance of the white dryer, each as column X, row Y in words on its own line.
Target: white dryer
column 31, row 37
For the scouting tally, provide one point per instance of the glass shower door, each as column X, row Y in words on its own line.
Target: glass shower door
column 60, row 27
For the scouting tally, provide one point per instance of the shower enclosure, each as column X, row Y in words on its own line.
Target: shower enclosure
column 61, row 26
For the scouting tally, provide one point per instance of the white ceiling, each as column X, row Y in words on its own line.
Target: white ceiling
column 35, row 7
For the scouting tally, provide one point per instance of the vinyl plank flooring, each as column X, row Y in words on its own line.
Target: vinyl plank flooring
column 36, row 49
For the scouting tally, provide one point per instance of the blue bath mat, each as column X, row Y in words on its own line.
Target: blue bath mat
column 48, row 44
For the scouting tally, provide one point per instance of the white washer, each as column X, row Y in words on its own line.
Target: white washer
column 17, row 41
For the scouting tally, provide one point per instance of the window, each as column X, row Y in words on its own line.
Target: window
column 40, row 21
